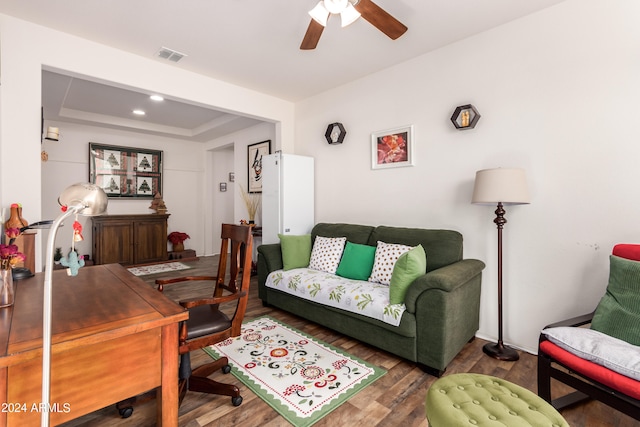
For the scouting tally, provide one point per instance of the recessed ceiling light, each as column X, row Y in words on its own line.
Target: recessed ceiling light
column 156, row 98
column 139, row 112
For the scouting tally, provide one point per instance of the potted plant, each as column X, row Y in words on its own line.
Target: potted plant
column 57, row 256
column 177, row 239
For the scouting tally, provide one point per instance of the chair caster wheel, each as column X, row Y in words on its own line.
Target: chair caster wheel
column 226, row 369
column 125, row 412
column 236, row 401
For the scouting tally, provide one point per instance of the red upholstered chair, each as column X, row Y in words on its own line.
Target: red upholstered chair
column 590, row 380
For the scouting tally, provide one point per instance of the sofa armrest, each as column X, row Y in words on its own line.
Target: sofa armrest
column 446, row 279
column 269, row 259
column 575, row 322
column 582, row 320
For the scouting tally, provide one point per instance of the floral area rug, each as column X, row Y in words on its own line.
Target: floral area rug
column 301, row 378
column 157, row 268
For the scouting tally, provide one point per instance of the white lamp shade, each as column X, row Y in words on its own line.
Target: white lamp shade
column 501, row 185
column 320, row 14
column 53, row 133
column 349, row 15
column 91, row 199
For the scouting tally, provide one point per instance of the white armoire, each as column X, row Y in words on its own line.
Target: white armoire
column 287, row 196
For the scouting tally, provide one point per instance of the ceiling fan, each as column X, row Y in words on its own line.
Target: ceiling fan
column 349, row 11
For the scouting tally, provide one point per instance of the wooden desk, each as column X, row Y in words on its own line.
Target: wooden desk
column 113, row 337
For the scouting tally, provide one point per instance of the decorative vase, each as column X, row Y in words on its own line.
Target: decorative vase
column 178, row 247
column 15, row 220
column 7, row 291
column 23, row 221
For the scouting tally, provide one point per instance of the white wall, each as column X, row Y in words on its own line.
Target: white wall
column 222, row 203
column 241, row 140
column 222, row 162
column 558, row 93
column 183, row 166
column 27, row 48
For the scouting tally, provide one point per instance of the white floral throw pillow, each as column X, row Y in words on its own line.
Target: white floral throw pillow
column 326, row 253
column 386, row 256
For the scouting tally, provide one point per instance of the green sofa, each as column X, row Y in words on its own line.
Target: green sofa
column 442, row 306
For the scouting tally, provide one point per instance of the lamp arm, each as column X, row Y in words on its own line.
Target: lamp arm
column 46, row 312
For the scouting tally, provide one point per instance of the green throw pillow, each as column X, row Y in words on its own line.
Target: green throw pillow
column 408, row 267
column 618, row 313
column 357, row 261
column 296, row 250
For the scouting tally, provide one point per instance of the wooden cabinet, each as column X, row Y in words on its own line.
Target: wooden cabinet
column 130, row 239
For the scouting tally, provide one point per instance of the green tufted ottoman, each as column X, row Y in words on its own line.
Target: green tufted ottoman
column 481, row 400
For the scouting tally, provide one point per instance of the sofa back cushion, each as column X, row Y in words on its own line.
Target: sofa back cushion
column 442, row 247
column 353, row 232
column 618, row 312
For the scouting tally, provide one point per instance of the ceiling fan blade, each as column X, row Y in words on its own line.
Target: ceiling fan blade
column 380, row 19
column 312, row 36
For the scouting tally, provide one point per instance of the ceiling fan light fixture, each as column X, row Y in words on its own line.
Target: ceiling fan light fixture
column 320, row 14
column 336, row 6
column 349, row 15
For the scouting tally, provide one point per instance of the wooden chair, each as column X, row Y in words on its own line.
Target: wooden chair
column 590, row 380
column 207, row 324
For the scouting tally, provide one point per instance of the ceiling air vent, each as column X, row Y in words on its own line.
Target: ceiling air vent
column 170, row 54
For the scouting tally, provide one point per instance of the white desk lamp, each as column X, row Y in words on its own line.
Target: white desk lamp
column 83, row 199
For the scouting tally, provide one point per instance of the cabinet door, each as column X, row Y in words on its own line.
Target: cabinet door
column 114, row 243
column 151, row 241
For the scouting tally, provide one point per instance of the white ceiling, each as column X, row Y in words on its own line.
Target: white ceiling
column 71, row 99
column 251, row 43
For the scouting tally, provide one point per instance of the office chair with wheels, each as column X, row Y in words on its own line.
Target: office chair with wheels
column 207, row 324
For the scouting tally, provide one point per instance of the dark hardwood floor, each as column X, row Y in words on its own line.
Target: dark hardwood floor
column 397, row 399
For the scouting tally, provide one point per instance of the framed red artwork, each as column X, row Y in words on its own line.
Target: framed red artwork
column 392, row 148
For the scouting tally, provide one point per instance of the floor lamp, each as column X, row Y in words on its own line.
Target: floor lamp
column 500, row 186
column 78, row 199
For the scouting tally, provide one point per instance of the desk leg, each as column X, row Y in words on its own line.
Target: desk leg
column 168, row 392
column 3, row 395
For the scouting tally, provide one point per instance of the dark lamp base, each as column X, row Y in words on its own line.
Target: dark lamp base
column 500, row 352
column 20, row 273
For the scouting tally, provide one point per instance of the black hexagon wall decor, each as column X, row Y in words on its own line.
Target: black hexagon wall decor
column 335, row 133
column 465, row 117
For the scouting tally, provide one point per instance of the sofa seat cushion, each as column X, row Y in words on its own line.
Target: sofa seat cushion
column 356, row 296
column 592, row 370
column 599, row 348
